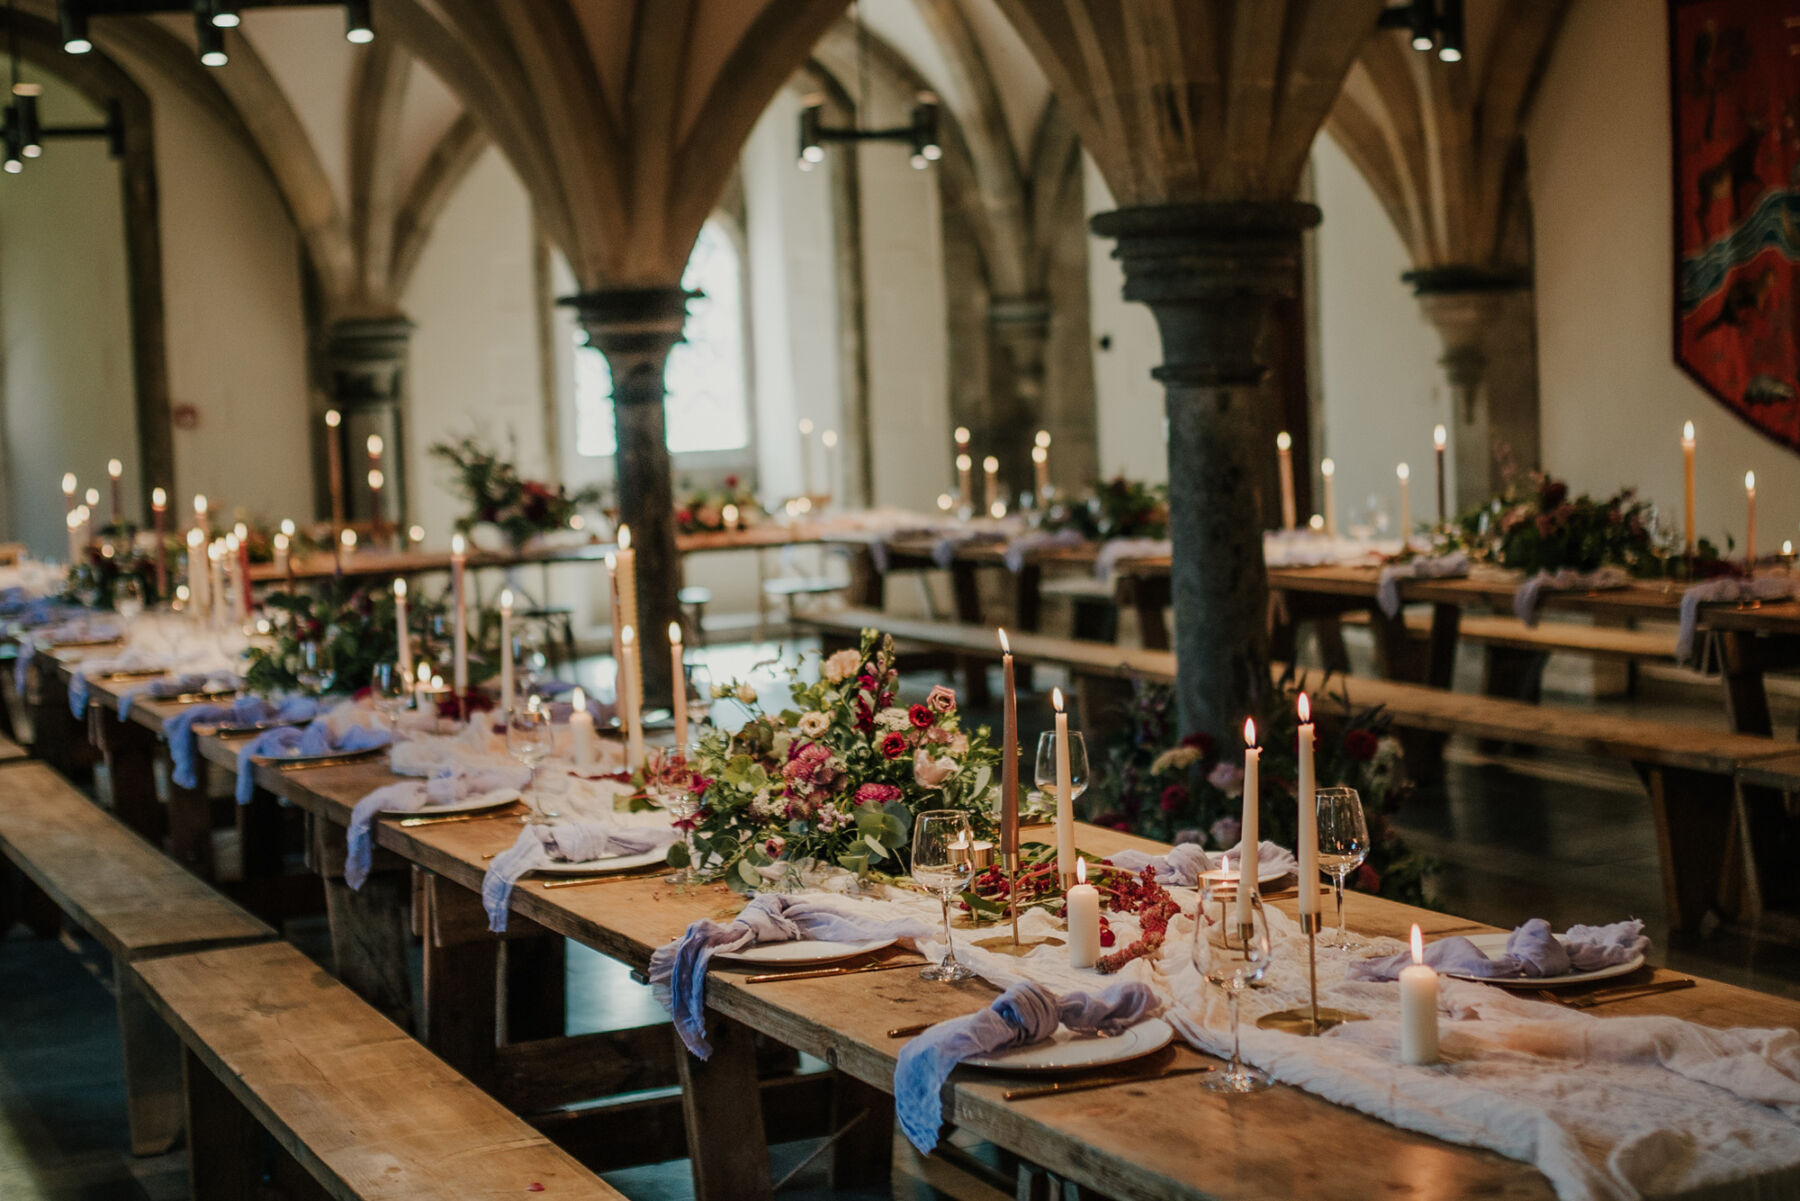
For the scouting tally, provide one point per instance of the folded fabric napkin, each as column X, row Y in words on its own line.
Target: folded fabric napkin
column 1025, row 1013
column 1425, row 567
column 1531, row 592
column 565, row 842
column 1532, row 952
column 497, row 784
column 1723, row 591
column 244, row 711
column 1183, row 864
column 185, row 684
column 1025, row 545
column 317, row 738
column 1115, row 551
column 943, row 552
column 678, row 971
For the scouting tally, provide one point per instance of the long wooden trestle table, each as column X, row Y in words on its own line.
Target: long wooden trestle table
column 1158, row 1139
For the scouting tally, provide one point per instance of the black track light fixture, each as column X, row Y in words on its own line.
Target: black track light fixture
column 358, row 25
column 1428, row 24
column 223, row 13
column 212, row 41
column 1450, row 32
column 72, row 21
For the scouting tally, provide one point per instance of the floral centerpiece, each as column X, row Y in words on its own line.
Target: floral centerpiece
column 835, row 776
column 353, row 629
column 93, row 580
column 703, row 511
column 499, row 496
column 1115, row 508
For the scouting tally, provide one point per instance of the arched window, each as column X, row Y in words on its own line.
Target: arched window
column 707, row 397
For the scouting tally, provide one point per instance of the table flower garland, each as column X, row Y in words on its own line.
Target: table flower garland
column 354, row 629
column 833, row 778
column 499, row 496
column 703, row 510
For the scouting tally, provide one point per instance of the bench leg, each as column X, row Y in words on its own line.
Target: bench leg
column 152, row 1056
column 224, row 1142
column 722, row 1106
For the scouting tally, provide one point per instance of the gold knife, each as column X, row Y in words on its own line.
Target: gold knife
column 816, row 973
column 452, row 818
column 1629, row 993
column 1080, row 1086
column 658, row 870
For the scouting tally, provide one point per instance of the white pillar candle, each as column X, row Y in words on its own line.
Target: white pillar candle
column 200, row 512
column 628, row 613
column 1284, row 457
column 159, row 520
column 73, row 520
column 1328, row 475
column 68, row 490
column 581, row 731
column 506, row 651
column 401, row 633
column 1040, row 458
column 1309, row 814
column 1084, row 919
column 1249, row 845
column 1687, row 482
column 1418, row 1008
column 1403, row 473
column 634, row 716
column 618, row 652
column 281, row 544
column 678, row 686
column 1750, row 520
column 829, row 440
column 1065, row 797
column 459, row 562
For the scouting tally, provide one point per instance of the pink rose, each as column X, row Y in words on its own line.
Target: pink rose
column 929, row 772
column 941, row 699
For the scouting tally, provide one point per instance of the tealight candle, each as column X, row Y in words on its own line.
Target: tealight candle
column 506, row 651
column 1284, row 455
column 1418, row 1008
column 1084, row 919
column 581, row 731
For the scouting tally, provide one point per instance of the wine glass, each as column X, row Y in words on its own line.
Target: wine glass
column 1343, row 845
column 1232, row 954
column 699, row 690
column 671, row 793
column 530, row 738
column 942, row 860
column 315, row 674
column 389, row 689
column 1046, row 766
column 128, row 597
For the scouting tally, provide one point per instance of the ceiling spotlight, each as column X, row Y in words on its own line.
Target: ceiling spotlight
column 1422, row 17
column 812, row 151
column 73, row 24
column 224, row 13
column 12, row 164
column 1450, row 32
column 925, row 131
column 30, row 131
column 358, row 27
column 212, row 42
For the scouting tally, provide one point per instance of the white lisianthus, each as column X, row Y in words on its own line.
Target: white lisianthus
column 893, row 718
column 842, row 665
column 929, row 772
column 814, row 724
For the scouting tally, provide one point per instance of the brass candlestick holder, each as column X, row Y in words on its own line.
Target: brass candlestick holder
column 1312, row 1019
column 1013, row 944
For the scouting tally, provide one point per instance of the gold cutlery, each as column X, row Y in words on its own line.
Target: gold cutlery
column 142, row 673
column 341, row 760
column 658, row 870
column 909, row 1031
column 816, row 973
column 448, row 819
column 1081, row 1086
column 1628, row 993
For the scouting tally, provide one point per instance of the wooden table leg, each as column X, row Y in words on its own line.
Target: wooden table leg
column 370, row 927
column 130, row 751
column 1741, row 665
column 152, row 1056
column 868, row 587
column 461, row 1016
column 1330, row 632
column 1440, row 664
column 534, row 987
column 224, row 1141
column 1693, row 816
column 191, row 824
column 722, row 1106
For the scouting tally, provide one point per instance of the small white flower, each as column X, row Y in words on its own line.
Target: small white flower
column 814, row 724
column 893, row 718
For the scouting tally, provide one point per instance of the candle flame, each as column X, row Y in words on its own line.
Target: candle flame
column 281, row 543
column 624, row 537
column 1403, row 472
column 114, row 468
column 195, row 538
column 1056, row 701
column 964, row 462
column 459, row 546
column 946, row 502
column 200, row 504
column 287, row 526
column 375, row 446
column 231, row 543
column 1304, row 706
column 579, row 700
column 1316, row 522
column 348, row 538
column 1327, row 468
column 424, row 673
column 1043, row 439
column 159, row 499
column 612, row 562
column 181, row 592
column 997, row 510
column 730, row 514
column 1040, row 454
column 1749, row 481
column 627, row 635
column 674, row 633
column 68, row 483
column 1440, row 437
column 1283, row 441
column 242, row 531
column 376, row 479
column 962, row 434
column 806, row 426
column 506, row 600
column 1249, row 731
column 1081, row 871
column 1418, row 944
column 400, row 589
column 1687, row 431
column 1005, row 646
column 417, row 533
column 829, row 438
column 332, row 418
column 990, row 464
column 93, row 496
column 1787, row 547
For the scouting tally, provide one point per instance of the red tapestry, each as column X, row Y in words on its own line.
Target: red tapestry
column 1734, row 74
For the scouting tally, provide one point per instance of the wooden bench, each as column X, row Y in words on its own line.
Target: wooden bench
column 137, row 903
column 12, row 752
column 1688, row 772
column 273, row 1043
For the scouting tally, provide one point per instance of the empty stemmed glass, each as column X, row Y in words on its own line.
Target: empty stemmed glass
column 1046, row 765
column 530, row 738
column 670, row 780
column 128, row 597
column 1232, row 957
column 942, row 860
column 1343, row 845
column 315, row 673
column 389, row 690
column 699, row 690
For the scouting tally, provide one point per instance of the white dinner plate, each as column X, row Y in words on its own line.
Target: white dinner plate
column 805, row 953
column 1494, row 945
column 474, row 804
column 326, row 759
column 610, row 863
column 1066, row 1050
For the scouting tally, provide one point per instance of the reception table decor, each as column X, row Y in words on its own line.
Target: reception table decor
column 730, row 506
column 498, row 496
column 345, row 630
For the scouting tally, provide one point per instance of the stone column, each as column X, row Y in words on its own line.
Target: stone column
column 635, row 328
column 363, row 365
column 1020, row 327
column 1211, row 274
column 1489, row 361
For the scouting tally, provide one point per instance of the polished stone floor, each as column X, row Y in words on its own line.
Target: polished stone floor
column 1518, row 837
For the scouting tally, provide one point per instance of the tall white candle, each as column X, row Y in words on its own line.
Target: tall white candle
column 1687, row 482
column 806, row 464
column 1418, row 1008
column 200, row 508
column 215, row 580
column 459, row 562
column 159, row 519
column 1065, row 798
column 1309, row 814
column 1404, row 474
column 581, row 731
column 628, row 613
column 1083, row 919
column 829, row 440
column 1328, row 476
column 196, row 573
column 965, row 491
column 401, row 632
column 506, row 651
column 1284, row 457
column 1249, row 846
column 234, row 582
column 114, row 471
column 72, row 519
column 1750, row 526
column 1440, row 439
column 334, row 466
column 990, row 493
column 618, row 652
column 678, row 686
column 1040, row 458
column 634, row 715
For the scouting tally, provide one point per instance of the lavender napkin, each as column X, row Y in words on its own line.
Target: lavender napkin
column 1531, row 593
column 1025, row 1013
column 678, row 971
column 1425, row 567
column 446, row 787
column 1183, row 864
column 1020, row 549
column 315, row 739
column 561, row 842
column 245, row 710
column 1726, row 589
column 1532, row 952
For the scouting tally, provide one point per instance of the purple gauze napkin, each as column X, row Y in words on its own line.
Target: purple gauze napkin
column 315, row 739
column 446, row 786
column 1532, row 952
column 245, row 710
column 678, row 971
column 1025, row 1013
column 564, row 842
column 1183, row 864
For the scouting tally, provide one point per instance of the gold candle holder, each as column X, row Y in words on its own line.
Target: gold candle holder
column 1310, row 1020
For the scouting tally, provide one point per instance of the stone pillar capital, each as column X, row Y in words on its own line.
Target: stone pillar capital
column 631, row 325
column 364, row 358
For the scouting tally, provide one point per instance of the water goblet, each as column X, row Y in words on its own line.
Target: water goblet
column 1232, row 956
column 942, row 861
column 315, row 673
column 1343, row 845
column 389, row 691
column 128, row 597
column 669, row 790
column 1045, row 774
column 530, row 738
